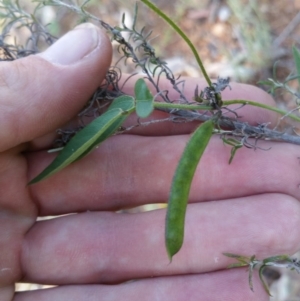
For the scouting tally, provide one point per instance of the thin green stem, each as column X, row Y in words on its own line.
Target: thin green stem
column 260, row 105
column 166, row 105
column 182, row 34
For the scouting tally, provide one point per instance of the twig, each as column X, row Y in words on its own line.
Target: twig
column 287, row 31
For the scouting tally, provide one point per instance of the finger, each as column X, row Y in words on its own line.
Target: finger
column 95, row 247
column 155, row 125
column 39, row 93
column 130, row 170
column 250, row 114
column 225, row 285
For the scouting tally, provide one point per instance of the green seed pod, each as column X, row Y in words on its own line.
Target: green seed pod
column 181, row 185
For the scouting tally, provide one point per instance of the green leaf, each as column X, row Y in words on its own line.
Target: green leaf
column 261, row 277
column 233, row 151
column 124, row 102
column 235, row 146
column 243, row 260
column 266, row 83
column 237, row 265
column 296, row 55
column 231, row 255
column 277, row 258
column 250, row 277
column 181, row 187
column 89, row 137
column 144, row 99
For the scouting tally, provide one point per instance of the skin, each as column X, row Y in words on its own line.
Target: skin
column 248, row 207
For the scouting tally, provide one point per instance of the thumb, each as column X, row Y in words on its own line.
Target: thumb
column 41, row 92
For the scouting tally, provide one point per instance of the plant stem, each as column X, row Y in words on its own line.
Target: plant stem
column 241, row 127
column 182, row 34
column 260, row 105
column 164, row 105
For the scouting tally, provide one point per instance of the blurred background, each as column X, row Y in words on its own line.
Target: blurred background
column 242, row 39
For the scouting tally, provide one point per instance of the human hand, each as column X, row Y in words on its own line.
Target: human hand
column 247, row 207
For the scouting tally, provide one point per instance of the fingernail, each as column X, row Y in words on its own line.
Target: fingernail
column 73, row 46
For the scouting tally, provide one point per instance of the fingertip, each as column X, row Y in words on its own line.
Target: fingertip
column 77, row 45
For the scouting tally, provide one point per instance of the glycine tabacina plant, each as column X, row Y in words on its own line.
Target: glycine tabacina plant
column 115, row 106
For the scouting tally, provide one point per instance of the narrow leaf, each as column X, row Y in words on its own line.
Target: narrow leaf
column 124, row 102
column 135, row 16
column 250, row 278
column 233, row 151
column 235, row 146
column 242, row 259
column 261, row 277
column 181, row 187
column 89, row 137
column 277, row 258
column 236, row 265
column 296, row 55
column 144, row 99
column 231, row 255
